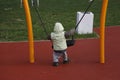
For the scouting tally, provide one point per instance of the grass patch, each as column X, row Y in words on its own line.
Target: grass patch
column 92, row 35
column 13, row 23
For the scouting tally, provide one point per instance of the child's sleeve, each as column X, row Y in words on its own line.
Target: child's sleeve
column 49, row 37
column 69, row 33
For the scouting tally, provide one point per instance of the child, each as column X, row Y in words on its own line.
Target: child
column 58, row 38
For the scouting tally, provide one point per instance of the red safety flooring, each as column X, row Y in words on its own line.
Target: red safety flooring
column 84, row 65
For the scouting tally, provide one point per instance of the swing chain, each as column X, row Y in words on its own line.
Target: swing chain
column 40, row 18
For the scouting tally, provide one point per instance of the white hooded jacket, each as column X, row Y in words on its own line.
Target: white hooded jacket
column 58, row 37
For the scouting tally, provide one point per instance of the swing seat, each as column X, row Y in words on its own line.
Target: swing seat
column 70, row 42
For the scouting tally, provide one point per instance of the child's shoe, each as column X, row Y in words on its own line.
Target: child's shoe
column 66, row 61
column 55, row 64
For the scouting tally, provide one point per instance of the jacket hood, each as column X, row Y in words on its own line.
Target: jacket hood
column 58, row 27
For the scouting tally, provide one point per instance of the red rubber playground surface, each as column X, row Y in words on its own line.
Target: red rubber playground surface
column 84, row 65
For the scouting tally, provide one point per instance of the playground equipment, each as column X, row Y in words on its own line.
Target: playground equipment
column 102, row 30
column 37, row 2
column 30, row 32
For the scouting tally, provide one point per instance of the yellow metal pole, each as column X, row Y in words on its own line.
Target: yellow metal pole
column 102, row 30
column 30, row 32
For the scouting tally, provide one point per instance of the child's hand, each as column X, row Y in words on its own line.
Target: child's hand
column 72, row 31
